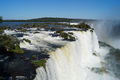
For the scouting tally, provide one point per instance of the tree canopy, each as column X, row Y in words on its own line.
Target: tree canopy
column 0, row 18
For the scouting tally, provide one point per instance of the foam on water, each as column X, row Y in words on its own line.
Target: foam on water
column 75, row 60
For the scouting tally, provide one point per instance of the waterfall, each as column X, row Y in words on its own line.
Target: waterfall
column 75, row 60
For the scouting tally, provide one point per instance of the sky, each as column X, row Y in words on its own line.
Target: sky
column 85, row 9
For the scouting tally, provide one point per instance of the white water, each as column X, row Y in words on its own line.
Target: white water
column 75, row 60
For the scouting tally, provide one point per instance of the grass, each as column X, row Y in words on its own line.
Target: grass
column 17, row 50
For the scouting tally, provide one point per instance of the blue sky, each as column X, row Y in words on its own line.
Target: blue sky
column 90, row 9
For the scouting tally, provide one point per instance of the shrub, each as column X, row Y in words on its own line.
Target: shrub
column 39, row 63
column 66, row 36
column 83, row 26
column 1, row 19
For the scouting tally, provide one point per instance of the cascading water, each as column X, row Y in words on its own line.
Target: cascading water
column 75, row 60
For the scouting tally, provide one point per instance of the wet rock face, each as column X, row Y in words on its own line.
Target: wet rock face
column 19, row 66
column 13, row 67
column 112, row 59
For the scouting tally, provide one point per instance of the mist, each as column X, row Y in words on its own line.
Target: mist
column 108, row 31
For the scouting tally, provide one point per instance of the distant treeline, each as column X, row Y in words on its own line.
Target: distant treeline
column 52, row 20
column 49, row 19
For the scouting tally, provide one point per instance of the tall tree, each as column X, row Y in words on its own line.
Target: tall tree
column 0, row 18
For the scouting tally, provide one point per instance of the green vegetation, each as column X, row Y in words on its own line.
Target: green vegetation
column 21, row 29
column 43, row 25
column 82, row 26
column 39, row 63
column 52, row 19
column 34, row 56
column 17, row 49
column 27, row 40
column 35, row 25
column 66, row 36
column 1, row 19
column 45, row 19
column 10, row 44
column 59, row 31
column 57, row 26
column 3, row 28
column 92, row 29
column 70, row 33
